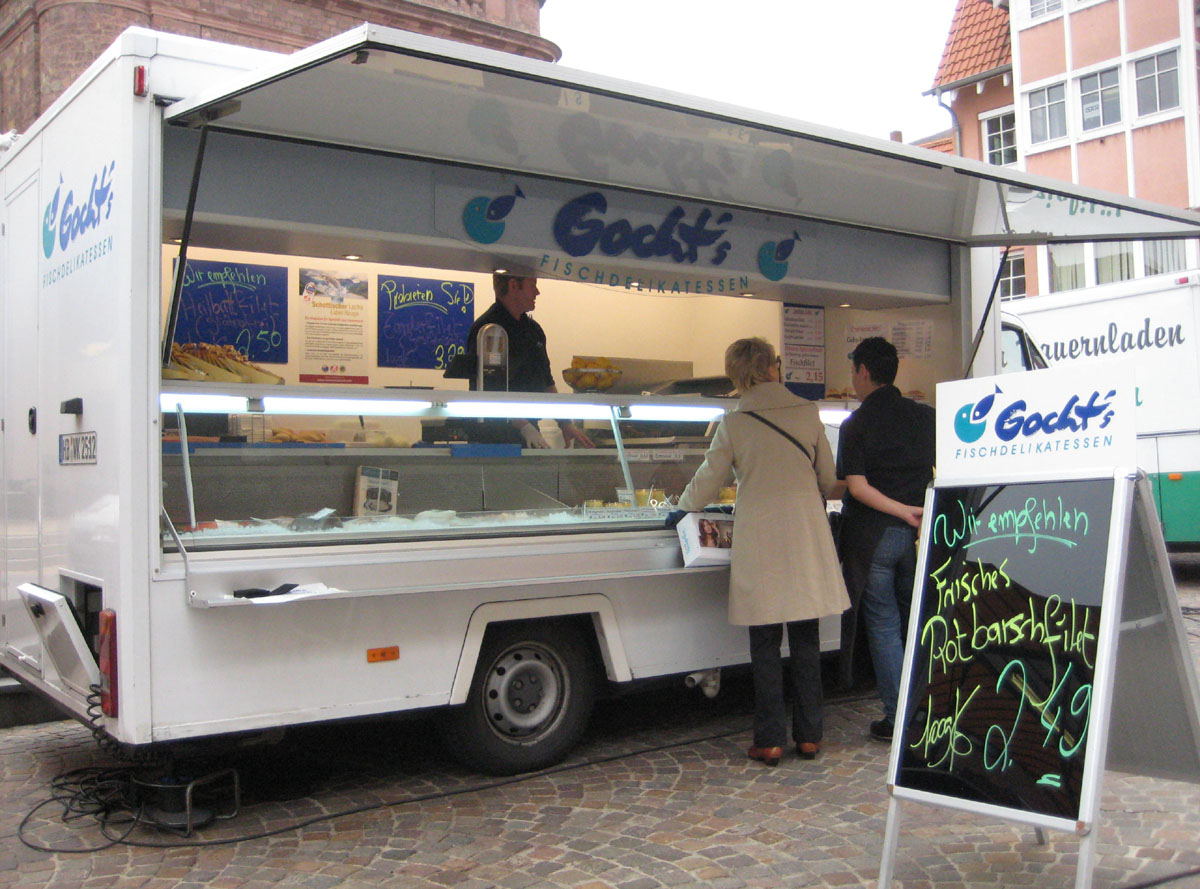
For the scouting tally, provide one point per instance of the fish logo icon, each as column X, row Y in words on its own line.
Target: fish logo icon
column 969, row 422
column 773, row 256
column 483, row 217
column 50, row 221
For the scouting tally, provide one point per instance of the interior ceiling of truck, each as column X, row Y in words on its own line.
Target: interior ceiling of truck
column 395, row 92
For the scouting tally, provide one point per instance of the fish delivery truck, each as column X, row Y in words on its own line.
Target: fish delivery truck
column 240, row 492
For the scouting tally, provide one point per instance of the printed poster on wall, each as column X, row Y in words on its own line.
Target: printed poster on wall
column 803, row 350
column 334, row 311
column 912, row 339
column 422, row 322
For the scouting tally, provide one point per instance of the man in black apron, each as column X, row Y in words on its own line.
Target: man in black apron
column 528, row 361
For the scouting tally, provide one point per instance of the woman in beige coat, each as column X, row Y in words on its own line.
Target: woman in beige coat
column 785, row 569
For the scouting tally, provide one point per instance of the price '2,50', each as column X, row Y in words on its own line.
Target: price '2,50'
column 261, row 340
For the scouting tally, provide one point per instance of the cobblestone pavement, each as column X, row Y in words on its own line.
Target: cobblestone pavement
column 660, row 795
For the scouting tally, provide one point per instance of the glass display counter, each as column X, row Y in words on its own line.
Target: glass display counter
column 283, row 466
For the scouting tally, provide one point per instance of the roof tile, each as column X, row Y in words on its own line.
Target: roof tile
column 978, row 41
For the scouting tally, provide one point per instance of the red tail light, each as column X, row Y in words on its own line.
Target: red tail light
column 108, row 662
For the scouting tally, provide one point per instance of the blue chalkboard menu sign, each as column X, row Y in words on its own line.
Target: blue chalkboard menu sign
column 998, row 705
column 423, row 322
column 235, row 304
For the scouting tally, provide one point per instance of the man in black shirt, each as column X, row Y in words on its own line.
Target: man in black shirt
column 528, row 361
column 886, row 451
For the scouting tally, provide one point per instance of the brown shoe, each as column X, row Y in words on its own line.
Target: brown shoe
column 768, row 755
column 808, row 749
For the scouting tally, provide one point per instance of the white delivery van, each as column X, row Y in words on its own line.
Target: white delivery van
column 1153, row 322
column 239, row 493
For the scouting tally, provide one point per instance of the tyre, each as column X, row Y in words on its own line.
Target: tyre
column 530, row 699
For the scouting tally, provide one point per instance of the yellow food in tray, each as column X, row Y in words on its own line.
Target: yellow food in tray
column 591, row 374
column 312, row 436
column 207, row 361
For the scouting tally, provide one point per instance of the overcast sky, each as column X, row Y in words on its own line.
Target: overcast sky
column 858, row 65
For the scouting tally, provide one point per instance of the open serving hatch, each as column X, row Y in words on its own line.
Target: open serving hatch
column 392, row 92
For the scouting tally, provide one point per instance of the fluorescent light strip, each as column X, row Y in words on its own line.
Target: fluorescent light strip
column 674, row 412
column 528, row 411
column 281, row 404
column 832, row 415
column 193, row 403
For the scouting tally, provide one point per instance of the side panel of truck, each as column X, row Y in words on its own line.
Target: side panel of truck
column 1154, row 325
column 237, row 668
column 19, row 453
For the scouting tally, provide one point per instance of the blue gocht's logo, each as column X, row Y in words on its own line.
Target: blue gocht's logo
column 971, row 420
column 773, row 256
column 483, row 217
column 65, row 219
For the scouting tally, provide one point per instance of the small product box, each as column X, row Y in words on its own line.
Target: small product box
column 706, row 538
column 375, row 491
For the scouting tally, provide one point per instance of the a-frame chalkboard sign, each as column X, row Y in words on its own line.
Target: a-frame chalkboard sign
column 1045, row 641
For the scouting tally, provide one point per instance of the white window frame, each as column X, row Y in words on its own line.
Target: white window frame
column 1101, row 89
column 1084, row 266
column 1146, row 273
column 1136, row 99
column 1017, row 254
column 1050, row 140
column 1128, row 248
column 1037, row 10
column 1089, row 267
column 996, row 114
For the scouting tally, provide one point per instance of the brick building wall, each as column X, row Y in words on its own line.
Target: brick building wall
column 46, row 44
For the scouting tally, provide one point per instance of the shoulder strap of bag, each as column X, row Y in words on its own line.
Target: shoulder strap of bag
column 785, row 434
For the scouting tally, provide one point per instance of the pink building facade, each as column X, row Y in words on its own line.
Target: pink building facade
column 1097, row 92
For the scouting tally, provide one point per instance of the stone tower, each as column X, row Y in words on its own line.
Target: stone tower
column 45, row 45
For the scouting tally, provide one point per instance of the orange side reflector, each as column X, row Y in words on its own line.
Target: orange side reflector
column 107, row 661
column 375, row 655
column 1174, row 476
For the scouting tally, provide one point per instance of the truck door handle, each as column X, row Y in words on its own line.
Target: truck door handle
column 33, row 421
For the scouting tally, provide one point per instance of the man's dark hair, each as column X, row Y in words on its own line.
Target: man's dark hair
column 880, row 359
column 500, row 282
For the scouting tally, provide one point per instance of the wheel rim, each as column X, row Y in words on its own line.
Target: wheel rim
column 524, row 692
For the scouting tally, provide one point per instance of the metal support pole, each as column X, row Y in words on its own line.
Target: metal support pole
column 181, row 262
column 987, row 310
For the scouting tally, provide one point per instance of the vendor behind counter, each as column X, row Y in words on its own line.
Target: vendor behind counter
column 526, row 365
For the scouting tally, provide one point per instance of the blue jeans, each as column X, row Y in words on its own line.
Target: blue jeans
column 885, row 604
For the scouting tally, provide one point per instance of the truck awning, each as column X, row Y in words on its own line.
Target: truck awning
column 393, row 92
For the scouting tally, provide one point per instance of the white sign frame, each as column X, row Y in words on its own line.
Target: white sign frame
column 1150, row 590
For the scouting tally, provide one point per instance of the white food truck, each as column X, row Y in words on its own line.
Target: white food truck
column 1153, row 321
column 239, row 492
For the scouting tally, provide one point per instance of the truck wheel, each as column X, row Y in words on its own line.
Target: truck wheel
column 529, row 702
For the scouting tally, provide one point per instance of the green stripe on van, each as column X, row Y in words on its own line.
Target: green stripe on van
column 1178, row 503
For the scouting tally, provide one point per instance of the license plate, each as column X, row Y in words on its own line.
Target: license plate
column 77, row 447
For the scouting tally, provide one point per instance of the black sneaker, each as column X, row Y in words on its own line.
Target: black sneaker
column 881, row 730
